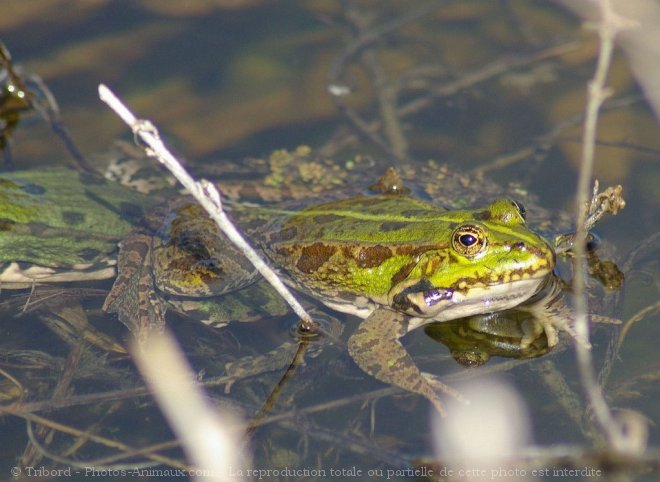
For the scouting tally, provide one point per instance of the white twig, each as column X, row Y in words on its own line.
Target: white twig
column 608, row 27
column 205, row 193
column 210, row 435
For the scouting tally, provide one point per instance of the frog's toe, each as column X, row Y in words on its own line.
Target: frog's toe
column 440, row 386
column 552, row 334
column 532, row 330
column 584, row 342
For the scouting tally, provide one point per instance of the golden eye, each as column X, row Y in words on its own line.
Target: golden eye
column 468, row 240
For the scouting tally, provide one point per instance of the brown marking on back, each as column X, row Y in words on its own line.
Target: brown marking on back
column 314, row 256
column 372, row 256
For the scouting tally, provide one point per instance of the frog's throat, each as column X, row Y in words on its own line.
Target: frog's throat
column 478, row 300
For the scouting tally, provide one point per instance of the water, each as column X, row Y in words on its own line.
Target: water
column 224, row 83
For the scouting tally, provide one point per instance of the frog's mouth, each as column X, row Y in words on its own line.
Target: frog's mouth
column 424, row 301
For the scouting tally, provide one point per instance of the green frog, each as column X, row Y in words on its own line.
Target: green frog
column 396, row 261
column 401, row 263
column 58, row 225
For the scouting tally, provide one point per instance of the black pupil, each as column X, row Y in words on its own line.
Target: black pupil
column 467, row 240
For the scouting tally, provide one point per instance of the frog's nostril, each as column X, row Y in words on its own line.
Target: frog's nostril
column 520, row 246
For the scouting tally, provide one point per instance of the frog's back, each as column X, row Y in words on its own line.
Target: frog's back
column 61, row 218
column 367, row 220
column 356, row 245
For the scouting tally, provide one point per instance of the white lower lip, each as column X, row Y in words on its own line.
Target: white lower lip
column 498, row 297
column 482, row 300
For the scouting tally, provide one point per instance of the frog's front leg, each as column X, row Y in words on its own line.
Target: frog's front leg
column 376, row 349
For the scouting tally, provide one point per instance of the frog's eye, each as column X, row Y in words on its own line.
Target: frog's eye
column 468, row 240
column 520, row 208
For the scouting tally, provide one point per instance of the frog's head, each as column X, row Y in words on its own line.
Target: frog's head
column 489, row 261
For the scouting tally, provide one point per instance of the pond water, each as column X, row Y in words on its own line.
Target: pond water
column 492, row 89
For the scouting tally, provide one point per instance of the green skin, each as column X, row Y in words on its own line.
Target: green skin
column 400, row 263
column 396, row 261
column 61, row 225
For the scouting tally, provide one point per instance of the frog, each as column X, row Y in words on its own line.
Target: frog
column 59, row 225
column 395, row 261
column 401, row 263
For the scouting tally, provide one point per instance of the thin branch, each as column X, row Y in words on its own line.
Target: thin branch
column 364, row 40
column 464, row 82
column 206, row 194
column 609, row 25
column 105, row 441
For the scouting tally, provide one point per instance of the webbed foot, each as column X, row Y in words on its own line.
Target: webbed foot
column 376, row 349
